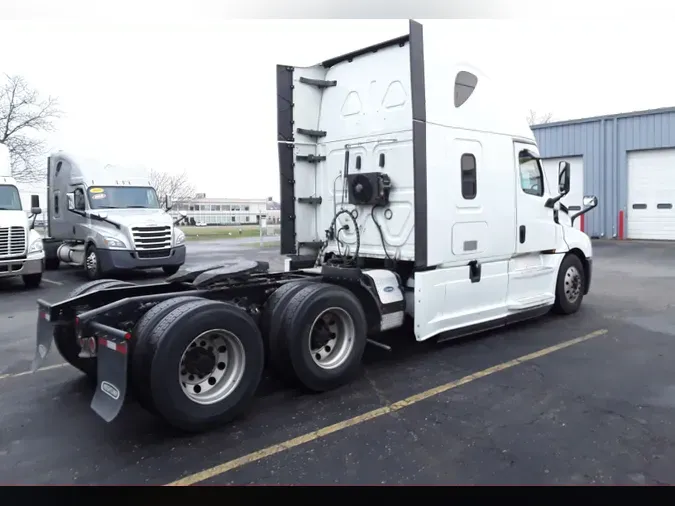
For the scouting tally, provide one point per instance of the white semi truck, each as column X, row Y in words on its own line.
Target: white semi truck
column 21, row 248
column 409, row 192
column 107, row 218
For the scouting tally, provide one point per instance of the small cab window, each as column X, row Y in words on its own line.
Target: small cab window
column 531, row 176
column 465, row 84
column 469, row 182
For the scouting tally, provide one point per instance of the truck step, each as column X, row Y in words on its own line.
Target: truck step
column 542, row 270
column 310, row 200
column 319, row 83
column 311, row 133
column 530, row 302
column 310, row 158
column 311, row 245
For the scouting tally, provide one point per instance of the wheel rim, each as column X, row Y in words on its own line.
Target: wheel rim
column 92, row 262
column 572, row 284
column 212, row 366
column 331, row 338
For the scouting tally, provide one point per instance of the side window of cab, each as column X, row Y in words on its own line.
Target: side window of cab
column 531, row 175
column 78, row 199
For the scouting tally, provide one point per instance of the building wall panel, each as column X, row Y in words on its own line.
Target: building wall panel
column 604, row 143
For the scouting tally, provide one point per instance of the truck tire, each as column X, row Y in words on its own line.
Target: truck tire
column 170, row 270
column 207, row 362
column 140, row 351
column 92, row 263
column 322, row 337
column 32, row 280
column 64, row 335
column 273, row 309
column 569, row 291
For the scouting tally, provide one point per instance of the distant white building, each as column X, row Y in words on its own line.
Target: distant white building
column 228, row 211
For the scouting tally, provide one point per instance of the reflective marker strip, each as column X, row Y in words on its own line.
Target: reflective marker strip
column 118, row 347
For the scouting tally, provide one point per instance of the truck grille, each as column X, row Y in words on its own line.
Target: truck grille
column 12, row 241
column 152, row 239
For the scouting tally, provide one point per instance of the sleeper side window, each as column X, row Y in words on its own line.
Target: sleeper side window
column 57, row 210
column 531, row 175
column 469, row 181
column 465, row 84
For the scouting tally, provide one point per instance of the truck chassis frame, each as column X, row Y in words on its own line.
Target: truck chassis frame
column 109, row 317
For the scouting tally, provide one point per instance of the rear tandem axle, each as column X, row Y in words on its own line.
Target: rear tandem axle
column 192, row 349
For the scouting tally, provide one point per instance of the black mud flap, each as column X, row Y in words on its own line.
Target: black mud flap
column 45, row 335
column 111, row 376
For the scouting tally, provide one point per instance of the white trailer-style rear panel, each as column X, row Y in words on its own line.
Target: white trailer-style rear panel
column 408, row 108
column 361, row 104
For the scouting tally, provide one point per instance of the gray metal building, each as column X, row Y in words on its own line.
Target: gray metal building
column 627, row 161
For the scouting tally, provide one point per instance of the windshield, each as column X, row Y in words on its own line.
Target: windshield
column 9, row 198
column 123, row 197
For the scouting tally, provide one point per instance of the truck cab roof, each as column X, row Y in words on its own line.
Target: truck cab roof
column 94, row 172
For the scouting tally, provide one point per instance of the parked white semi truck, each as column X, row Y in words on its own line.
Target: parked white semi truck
column 107, row 218
column 21, row 249
column 409, row 191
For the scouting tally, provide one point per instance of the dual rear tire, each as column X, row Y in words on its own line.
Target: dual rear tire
column 197, row 363
column 315, row 334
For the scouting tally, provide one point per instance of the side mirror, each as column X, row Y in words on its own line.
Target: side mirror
column 35, row 211
column 564, row 178
column 168, row 202
column 590, row 201
column 183, row 214
column 71, row 201
column 35, row 202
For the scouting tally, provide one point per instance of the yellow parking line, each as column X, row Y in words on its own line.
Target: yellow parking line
column 52, row 281
column 24, row 373
column 409, row 401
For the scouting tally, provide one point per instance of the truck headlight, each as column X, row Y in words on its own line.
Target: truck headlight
column 36, row 246
column 178, row 237
column 111, row 242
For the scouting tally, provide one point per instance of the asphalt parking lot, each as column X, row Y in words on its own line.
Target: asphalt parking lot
column 586, row 399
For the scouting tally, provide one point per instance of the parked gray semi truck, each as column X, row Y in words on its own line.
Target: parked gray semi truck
column 107, row 218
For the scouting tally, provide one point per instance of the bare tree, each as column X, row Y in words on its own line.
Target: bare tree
column 23, row 114
column 539, row 119
column 176, row 186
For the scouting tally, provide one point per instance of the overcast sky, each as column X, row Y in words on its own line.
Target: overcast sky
column 201, row 96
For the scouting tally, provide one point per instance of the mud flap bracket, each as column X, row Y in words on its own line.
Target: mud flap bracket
column 45, row 335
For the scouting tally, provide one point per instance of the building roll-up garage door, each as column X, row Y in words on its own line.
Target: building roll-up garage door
column 651, row 194
column 574, row 199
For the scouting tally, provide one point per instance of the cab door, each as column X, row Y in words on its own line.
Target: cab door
column 532, row 271
column 536, row 231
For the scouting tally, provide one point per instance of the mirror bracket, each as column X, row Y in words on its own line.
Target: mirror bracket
column 591, row 206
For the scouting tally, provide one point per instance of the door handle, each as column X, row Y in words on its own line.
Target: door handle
column 522, row 234
column 474, row 271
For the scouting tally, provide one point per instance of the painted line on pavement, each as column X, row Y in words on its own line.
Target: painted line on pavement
column 370, row 415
